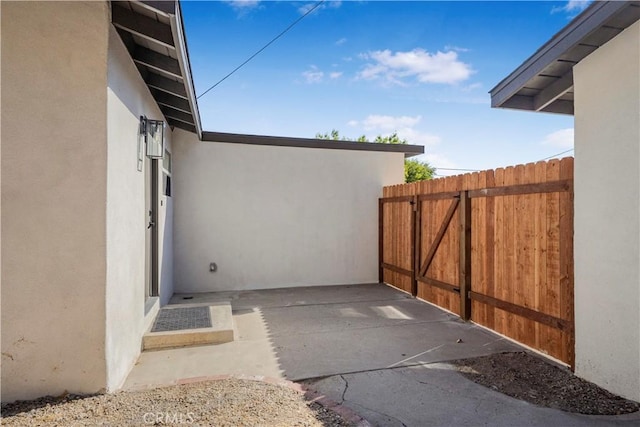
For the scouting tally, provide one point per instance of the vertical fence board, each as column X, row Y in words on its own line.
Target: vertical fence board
column 540, row 258
column 566, row 261
column 489, row 254
column 509, row 255
column 499, row 253
column 554, row 343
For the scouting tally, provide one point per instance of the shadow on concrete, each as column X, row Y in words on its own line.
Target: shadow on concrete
column 370, row 348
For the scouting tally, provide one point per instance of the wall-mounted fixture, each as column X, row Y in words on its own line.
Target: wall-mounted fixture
column 152, row 132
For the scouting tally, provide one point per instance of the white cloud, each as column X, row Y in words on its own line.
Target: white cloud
column 243, row 4
column 403, row 125
column 417, row 137
column 562, row 138
column 305, row 8
column 456, row 48
column 425, row 67
column 573, row 6
column 471, row 87
column 313, row 75
column 388, row 123
column 341, row 41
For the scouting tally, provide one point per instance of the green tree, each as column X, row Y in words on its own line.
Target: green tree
column 414, row 170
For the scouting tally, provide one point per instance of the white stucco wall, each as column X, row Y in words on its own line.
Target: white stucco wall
column 607, row 215
column 276, row 216
column 128, row 98
column 54, row 166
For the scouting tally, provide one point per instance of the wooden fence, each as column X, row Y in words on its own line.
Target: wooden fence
column 494, row 247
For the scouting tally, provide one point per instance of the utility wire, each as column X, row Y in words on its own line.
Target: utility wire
column 454, row 169
column 556, row 155
column 262, row 48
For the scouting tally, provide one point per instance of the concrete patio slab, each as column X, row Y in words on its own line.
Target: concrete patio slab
column 437, row 395
column 301, row 333
column 377, row 350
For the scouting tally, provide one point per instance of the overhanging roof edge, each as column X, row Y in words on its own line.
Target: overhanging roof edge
column 282, row 141
column 584, row 24
column 180, row 40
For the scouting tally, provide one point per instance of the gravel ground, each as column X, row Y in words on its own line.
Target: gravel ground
column 530, row 378
column 229, row 402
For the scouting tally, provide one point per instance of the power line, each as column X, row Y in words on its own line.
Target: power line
column 455, row 169
column 262, row 48
column 556, row 155
column 476, row 170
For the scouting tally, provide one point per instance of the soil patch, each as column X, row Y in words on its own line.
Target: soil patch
column 532, row 379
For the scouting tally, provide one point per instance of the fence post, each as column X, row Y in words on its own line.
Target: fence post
column 415, row 244
column 465, row 255
column 380, row 240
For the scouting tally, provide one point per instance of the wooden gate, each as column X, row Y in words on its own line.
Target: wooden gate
column 494, row 247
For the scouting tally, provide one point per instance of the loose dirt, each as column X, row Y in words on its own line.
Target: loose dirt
column 527, row 377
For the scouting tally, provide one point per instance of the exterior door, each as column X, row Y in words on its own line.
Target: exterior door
column 150, row 222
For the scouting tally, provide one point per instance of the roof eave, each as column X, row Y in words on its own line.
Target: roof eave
column 582, row 26
column 282, row 141
column 180, row 41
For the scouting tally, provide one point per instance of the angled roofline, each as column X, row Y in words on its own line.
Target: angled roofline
column 283, row 141
column 584, row 24
column 180, row 40
column 157, row 45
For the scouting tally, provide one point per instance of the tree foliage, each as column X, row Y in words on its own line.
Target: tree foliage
column 414, row 170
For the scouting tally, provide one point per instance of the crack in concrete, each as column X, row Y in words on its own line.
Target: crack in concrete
column 346, row 387
column 364, row 371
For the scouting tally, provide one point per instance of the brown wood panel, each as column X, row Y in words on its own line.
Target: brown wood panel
column 509, row 253
column 437, row 240
column 499, row 253
column 530, row 188
column 478, row 220
column 489, row 251
column 566, row 263
column 551, row 299
column 523, row 312
column 521, row 249
column 540, row 258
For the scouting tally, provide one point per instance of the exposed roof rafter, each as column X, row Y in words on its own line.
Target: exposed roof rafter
column 142, row 26
column 546, row 70
column 167, row 85
column 157, row 61
column 554, row 91
column 153, row 34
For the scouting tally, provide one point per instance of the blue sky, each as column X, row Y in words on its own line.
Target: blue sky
column 421, row 68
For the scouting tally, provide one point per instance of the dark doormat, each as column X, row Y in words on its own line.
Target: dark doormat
column 177, row 319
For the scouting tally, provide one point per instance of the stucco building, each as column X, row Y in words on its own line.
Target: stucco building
column 96, row 235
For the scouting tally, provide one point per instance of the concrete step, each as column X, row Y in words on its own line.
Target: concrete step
column 184, row 325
